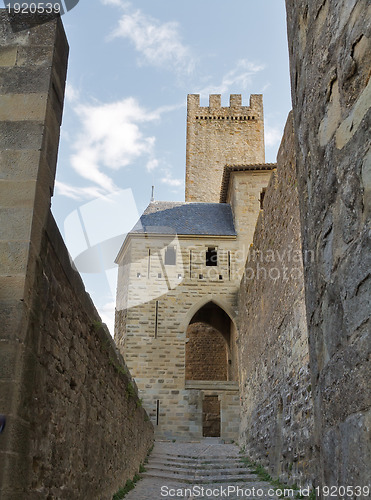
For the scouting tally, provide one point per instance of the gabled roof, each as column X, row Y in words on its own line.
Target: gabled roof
column 240, row 168
column 166, row 217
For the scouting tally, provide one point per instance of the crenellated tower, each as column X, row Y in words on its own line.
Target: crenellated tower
column 217, row 136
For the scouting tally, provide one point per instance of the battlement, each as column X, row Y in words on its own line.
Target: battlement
column 216, row 110
column 219, row 135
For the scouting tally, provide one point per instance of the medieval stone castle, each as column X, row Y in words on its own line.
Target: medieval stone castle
column 242, row 313
column 180, row 270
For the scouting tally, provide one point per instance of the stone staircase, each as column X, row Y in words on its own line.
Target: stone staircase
column 215, row 467
column 201, row 469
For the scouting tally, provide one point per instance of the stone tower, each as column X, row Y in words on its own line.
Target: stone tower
column 217, row 136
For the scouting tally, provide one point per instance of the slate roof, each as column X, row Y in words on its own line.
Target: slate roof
column 165, row 217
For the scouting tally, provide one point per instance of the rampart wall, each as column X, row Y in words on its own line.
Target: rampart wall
column 75, row 427
column 277, row 412
column 330, row 59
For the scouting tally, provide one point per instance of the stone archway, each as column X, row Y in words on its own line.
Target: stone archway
column 209, row 351
column 208, row 361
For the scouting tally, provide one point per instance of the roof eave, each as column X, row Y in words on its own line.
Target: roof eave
column 228, row 169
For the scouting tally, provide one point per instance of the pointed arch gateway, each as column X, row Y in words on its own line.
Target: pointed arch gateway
column 210, row 362
column 210, row 352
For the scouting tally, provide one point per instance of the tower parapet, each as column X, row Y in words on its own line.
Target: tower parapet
column 255, row 108
column 219, row 135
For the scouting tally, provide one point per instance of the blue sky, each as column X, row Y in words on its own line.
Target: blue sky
column 131, row 67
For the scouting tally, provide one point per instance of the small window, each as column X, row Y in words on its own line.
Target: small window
column 262, row 194
column 170, row 256
column 212, row 256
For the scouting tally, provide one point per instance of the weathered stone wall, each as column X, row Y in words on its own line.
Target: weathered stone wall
column 155, row 350
column 217, row 136
column 89, row 431
column 330, row 58
column 276, row 418
column 205, row 354
column 73, row 429
column 243, row 194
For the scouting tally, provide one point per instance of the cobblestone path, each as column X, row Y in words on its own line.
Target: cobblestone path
column 204, row 470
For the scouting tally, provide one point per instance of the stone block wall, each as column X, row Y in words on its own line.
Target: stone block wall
column 330, row 58
column 154, row 309
column 73, row 427
column 88, row 429
column 217, row 136
column 206, row 355
column 277, row 415
column 246, row 184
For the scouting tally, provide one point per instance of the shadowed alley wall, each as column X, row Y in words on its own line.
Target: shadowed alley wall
column 75, row 427
column 330, row 59
column 277, row 412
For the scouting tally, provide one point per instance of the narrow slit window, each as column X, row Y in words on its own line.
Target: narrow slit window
column 149, row 262
column 156, row 319
column 229, row 266
column 262, row 194
column 157, row 411
column 212, row 256
column 190, row 263
column 170, row 256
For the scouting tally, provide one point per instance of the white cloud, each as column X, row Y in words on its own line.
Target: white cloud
column 107, row 313
column 78, row 193
column 119, row 3
column 272, row 135
column 72, row 94
column 159, row 44
column 110, row 138
column 152, row 165
column 239, row 78
column 168, row 180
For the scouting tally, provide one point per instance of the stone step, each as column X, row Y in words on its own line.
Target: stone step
column 204, row 459
column 192, row 469
column 198, row 479
column 198, row 465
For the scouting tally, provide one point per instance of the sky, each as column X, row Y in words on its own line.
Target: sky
column 131, row 66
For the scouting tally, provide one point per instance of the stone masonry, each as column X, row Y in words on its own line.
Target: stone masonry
column 277, row 411
column 217, row 136
column 152, row 318
column 75, row 427
column 330, row 59
column 176, row 323
column 206, row 354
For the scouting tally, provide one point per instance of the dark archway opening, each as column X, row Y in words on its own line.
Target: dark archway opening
column 208, row 354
